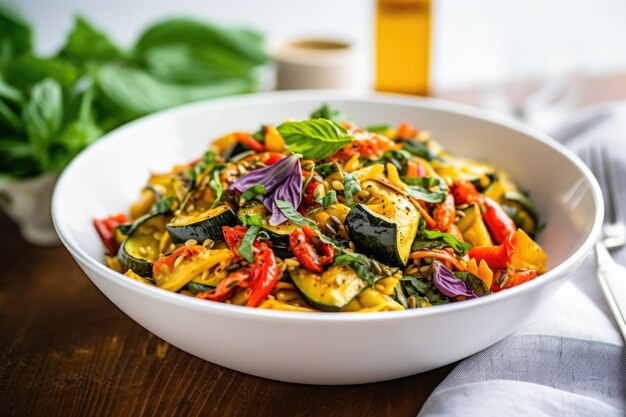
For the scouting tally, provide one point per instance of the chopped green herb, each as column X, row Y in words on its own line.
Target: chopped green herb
column 245, row 249
column 252, row 192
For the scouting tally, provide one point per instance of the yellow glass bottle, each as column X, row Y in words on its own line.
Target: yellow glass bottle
column 403, row 29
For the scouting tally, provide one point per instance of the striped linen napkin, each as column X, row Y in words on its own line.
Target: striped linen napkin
column 568, row 359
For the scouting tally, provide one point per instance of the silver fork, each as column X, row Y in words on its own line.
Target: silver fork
column 612, row 276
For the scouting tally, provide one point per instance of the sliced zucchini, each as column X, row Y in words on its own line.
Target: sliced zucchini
column 206, row 225
column 522, row 211
column 140, row 249
column 279, row 235
column 330, row 291
column 473, row 227
column 384, row 228
column 479, row 173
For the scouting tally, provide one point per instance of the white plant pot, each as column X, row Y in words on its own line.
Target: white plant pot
column 27, row 202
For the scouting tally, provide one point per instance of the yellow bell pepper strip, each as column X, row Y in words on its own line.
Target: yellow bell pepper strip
column 528, row 254
column 481, row 270
column 274, row 142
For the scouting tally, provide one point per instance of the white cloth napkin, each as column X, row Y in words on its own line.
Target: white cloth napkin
column 568, row 359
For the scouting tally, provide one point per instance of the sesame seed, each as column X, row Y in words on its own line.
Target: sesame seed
column 191, row 242
column 208, row 243
column 178, row 260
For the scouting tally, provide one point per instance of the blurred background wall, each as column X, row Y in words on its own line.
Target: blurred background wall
column 476, row 42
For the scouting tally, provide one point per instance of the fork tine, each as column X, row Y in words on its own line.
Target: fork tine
column 594, row 160
column 615, row 211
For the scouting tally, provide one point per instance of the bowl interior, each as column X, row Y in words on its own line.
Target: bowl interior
column 106, row 178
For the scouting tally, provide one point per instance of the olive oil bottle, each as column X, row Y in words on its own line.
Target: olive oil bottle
column 403, row 35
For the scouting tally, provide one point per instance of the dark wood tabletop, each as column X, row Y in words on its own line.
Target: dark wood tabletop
column 66, row 350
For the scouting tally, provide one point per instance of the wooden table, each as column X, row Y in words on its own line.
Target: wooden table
column 66, row 350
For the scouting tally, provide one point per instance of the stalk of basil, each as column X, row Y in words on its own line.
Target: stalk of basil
column 282, row 181
column 314, row 139
column 448, row 284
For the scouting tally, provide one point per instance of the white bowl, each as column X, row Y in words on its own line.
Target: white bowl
column 325, row 348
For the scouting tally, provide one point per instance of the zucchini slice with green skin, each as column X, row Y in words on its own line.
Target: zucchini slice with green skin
column 141, row 235
column 279, row 235
column 203, row 226
column 331, row 290
column 386, row 227
column 526, row 216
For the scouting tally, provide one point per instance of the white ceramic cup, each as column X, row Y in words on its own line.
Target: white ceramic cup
column 316, row 63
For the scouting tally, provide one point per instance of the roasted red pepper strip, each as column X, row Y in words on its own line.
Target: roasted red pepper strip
column 497, row 257
column 186, row 251
column 311, row 256
column 226, row 286
column 250, row 142
column 106, row 230
column 516, row 278
column 260, row 278
column 465, row 192
column 233, row 237
column 445, row 213
column 499, row 223
column 309, row 193
column 263, row 276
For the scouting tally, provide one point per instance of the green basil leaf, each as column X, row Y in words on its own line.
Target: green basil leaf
column 351, row 187
column 17, row 159
column 314, row 139
column 419, row 188
column 329, row 113
column 459, row 247
column 77, row 135
column 162, row 206
column 360, row 264
column 187, row 65
column 296, row 218
column 326, row 169
column 242, row 43
column 416, row 287
column 216, row 184
column 9, row 92
column 328, row 200
column 381, row 128
column 419, row 149
column 26, row 71
column 43, row 116
column 16, row 32
column 252, row 192
column 9, row 118
column 137, row 93
column 398, row 292
column 85, row 43
column 245, row 248
column 251, row 220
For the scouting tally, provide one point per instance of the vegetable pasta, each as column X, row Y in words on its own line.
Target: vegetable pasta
column 323, row 215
